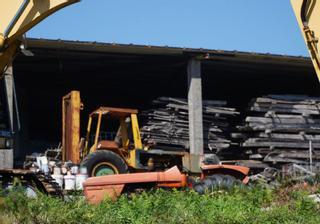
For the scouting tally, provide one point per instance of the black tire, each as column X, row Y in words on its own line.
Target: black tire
column 104, row 158
column 228, row 181
column 216, row 182
column 208, row 182
column 199, row 188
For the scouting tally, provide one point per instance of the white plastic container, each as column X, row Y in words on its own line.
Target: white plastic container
column 58, row 178
column 80, row 179
column 74, row 170
column 45, row 169
column 69, row 182
column 41, row 161
column 83, row 170
column 57, row 170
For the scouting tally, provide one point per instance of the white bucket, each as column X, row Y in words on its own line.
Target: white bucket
column 45, row 169
column 56, row 170
column 80, row 179
column 83, row 170
column 69, row 182
column 42, row 160
column 74, row 170
column 58, row 178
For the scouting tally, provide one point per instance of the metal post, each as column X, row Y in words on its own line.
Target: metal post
column 310, row 155
column 195, row 115
column 6, row 155
column 8, row 83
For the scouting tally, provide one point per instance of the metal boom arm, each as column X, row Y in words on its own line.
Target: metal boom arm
column 19, row 16
column 308, row 16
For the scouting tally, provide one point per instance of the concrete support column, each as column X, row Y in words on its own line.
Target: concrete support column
column 195, row 114
column 6, row 155
column 8, row 83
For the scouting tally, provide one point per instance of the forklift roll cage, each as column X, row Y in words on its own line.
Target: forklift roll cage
column 127, row 150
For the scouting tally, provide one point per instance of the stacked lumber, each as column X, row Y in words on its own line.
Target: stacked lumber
column 166, row 125
column 282, row 129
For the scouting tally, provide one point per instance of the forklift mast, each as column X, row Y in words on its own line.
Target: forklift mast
column 71, row 107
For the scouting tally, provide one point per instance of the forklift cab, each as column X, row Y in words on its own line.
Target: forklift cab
column 127, row 139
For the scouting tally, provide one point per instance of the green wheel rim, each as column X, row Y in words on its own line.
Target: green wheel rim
column 104, row 169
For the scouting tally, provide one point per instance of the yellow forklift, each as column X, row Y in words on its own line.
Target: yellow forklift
column 123, row 153
column 124, row 162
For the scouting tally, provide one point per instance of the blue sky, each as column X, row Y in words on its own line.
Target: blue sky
column 267, row 26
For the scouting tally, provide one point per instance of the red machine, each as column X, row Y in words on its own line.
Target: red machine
column 96, row 189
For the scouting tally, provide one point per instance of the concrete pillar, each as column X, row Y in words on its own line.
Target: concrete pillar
column 195, row 114
column 6, row 158
column 6, row 155
column 8, row 83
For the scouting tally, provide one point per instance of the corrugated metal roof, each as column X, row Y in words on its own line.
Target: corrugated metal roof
column 159, row 50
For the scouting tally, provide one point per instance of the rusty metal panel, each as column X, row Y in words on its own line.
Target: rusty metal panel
column 71, row 106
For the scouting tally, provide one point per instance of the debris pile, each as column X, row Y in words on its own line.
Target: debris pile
column 269, row 177
column 62, row 175
column 166, row 126
column 282, row 129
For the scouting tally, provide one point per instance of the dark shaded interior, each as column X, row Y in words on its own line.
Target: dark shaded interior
column 133, row 80
column 240, row 81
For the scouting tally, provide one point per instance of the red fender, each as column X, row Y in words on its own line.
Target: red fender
column 239, row 172
column 98, row 188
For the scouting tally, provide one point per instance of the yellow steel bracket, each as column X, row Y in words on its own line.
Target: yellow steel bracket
column 96, row 138
column 19, row 16
column 136, row 132
column 124, row 133
column 308, row 13
column 137, row 140
column 86, row 145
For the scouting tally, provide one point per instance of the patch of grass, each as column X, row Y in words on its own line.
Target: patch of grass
column 256, row 205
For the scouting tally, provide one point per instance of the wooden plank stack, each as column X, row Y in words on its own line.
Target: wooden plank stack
column 282, row 129
column 166, row 125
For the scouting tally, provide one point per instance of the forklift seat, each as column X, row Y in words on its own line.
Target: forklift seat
column 106, row 144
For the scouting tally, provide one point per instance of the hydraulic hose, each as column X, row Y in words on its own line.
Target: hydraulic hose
column 16, row 17
column 303, row 12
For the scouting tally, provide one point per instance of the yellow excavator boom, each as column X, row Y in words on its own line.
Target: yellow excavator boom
column 308, row 15
column 19, row 16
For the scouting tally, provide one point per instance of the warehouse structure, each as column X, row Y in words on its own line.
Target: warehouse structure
column 133, row 75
